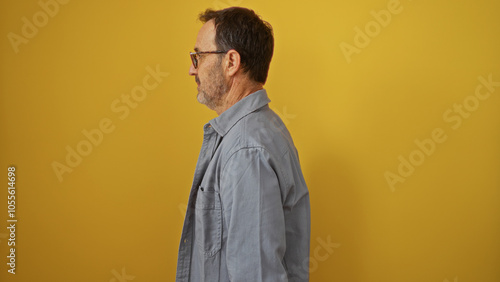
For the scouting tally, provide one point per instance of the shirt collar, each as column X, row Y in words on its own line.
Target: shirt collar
column 225, row 121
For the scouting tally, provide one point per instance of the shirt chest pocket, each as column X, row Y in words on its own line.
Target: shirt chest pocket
column 208, row 226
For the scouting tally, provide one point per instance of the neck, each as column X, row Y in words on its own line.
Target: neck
column 238, row 91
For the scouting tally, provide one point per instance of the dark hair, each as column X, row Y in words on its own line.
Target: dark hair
column 244, row 31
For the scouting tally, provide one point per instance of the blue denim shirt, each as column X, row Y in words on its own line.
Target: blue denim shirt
column 248, row 215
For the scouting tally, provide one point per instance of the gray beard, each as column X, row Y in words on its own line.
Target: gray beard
column 212, row 95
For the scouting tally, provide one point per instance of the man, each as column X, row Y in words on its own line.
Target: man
column 248, row 216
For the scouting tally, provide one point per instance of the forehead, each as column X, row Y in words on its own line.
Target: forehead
column 205, row 41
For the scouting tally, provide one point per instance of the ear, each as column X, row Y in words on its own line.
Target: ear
column 233, row 62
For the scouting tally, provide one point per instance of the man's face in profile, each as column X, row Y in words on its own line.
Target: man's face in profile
column 209, row 75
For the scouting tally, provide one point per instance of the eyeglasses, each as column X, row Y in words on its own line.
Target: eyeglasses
column 195, row 56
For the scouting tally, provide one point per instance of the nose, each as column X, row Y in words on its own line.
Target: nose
column 192, row 70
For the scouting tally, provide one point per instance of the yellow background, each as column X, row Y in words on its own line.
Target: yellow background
column 121, row 210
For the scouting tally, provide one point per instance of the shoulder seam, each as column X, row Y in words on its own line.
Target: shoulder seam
column 255, row 147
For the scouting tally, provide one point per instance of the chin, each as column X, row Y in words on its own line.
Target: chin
column 200, row 98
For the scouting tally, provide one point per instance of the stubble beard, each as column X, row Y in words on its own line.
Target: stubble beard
column 214, row 90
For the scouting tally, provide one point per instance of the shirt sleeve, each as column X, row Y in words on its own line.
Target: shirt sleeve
column 253, row 212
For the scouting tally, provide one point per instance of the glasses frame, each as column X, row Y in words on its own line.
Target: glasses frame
column 194, row 56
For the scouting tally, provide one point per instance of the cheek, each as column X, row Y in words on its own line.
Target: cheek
column 201, row 74
column 204, row 76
